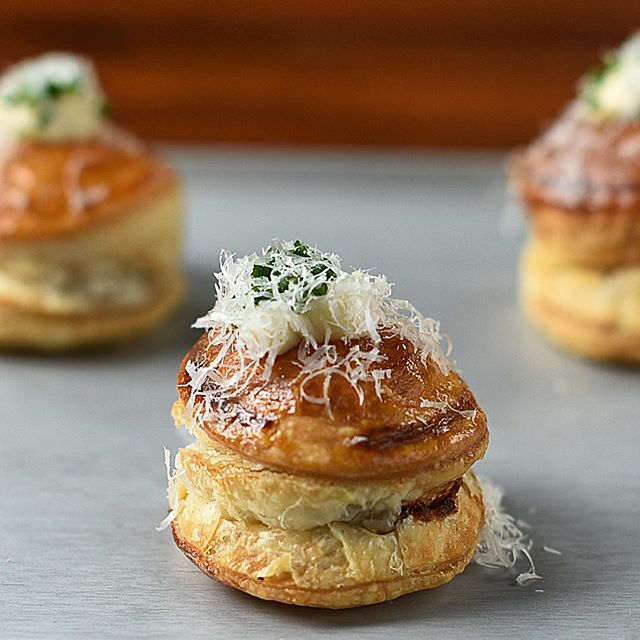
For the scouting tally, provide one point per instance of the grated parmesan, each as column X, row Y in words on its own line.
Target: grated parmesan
column 172, row 491
column 443, row 405
column 294, row 295
column 551, row 550
column 80, row 198
column 502, row 543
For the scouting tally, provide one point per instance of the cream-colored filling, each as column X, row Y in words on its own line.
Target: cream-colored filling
column 120, row 264
column 78, row 287
column 340, row 554
column 74, row 117
column 248, row 491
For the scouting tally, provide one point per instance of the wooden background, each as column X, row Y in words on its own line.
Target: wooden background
column 376, row 72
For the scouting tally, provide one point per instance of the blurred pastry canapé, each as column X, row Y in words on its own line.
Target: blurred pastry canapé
column 333, row 440
column 90, row 219
column 580, row 183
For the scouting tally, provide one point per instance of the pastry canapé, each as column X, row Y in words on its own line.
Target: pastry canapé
column 580, row 183
column 90, row 219
column 333, row 440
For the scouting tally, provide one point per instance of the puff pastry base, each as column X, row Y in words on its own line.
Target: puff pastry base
column 338, row 565
column 24, row 329
column 590, row 311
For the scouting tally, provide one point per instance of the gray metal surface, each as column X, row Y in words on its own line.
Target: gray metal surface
column 81, row 476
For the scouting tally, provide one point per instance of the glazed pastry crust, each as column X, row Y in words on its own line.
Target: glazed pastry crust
column 334, row 566
column 57, row 189
column 580, row 164
column 592, row 312
column 383, row 437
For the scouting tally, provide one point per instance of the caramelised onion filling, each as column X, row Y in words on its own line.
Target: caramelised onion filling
column 426, row 509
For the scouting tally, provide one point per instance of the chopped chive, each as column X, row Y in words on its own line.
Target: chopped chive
column 320, row 290
column 283, row 283
column 283, row 266
column 300, row 249
column 261, row 271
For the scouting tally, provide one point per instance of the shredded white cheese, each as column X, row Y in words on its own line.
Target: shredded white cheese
column 613, row 91
column 443, row 405
column 293, row 294
column 172, row 492
column 551, row 550
column 503, row 543
column 80, row 198
column 54, row 97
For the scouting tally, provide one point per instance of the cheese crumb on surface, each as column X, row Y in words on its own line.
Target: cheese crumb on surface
column 554, row 552
column 55, row 97
column 503, row 543
column 173, row 495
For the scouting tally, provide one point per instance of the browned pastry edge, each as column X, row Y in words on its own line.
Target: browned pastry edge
column 359, row 595
column 440, row 506
column 273, row 425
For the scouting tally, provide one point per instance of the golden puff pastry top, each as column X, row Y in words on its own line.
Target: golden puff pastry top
column 63, row 165
column 418, row 418
column 51, row 189
column 581, row 165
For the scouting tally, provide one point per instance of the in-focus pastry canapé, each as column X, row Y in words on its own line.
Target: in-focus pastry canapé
column 333, row 440
column 90, row 219
column 580, row 182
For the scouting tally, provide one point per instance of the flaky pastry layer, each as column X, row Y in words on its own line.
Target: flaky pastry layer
column 337, row 565
column 581, row 164
column 590, row 311
column 596, row 239
column 55, row 189
column 246, row 490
